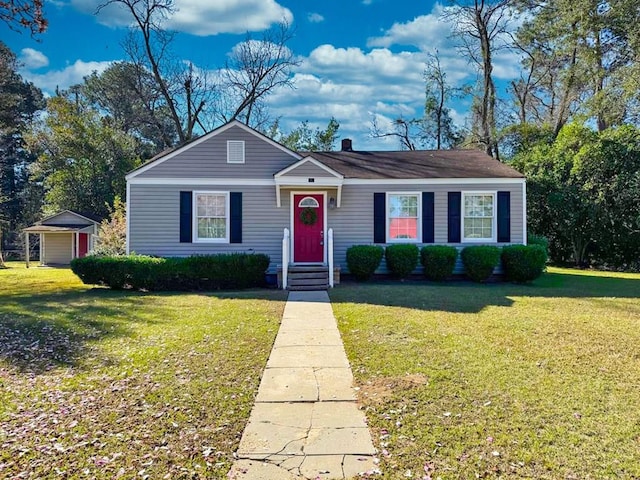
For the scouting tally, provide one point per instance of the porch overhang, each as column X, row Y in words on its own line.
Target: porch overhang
column 304, row 184
column 308, row 174
column 59, row 229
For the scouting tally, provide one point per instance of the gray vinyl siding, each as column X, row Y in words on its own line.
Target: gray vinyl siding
column 154, row 227
column 308, row 170
column 209, row 159
column 353, row 223
column 57, row 248
column 154, row 218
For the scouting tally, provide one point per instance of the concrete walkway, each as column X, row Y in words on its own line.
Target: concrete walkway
column 305, row 422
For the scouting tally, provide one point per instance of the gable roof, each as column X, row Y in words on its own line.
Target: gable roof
column 411, row 164
column 92, row 218
column 172, row 152
column 311, row 160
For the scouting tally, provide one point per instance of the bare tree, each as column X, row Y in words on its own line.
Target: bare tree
column 548, row 90
column 403, row 130
column 437, row 122
column 185, row 90
column 254, row 70
column 480, row 25
column 23, row 14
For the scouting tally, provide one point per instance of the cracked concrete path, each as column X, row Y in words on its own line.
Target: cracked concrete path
column 305, row 422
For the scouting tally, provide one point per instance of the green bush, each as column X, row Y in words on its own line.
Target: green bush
column 538, row 240
column 202, row 272
column 402, row 259
column 438, row 261
column 363, row 260
column 479, row 261
column 523, row 263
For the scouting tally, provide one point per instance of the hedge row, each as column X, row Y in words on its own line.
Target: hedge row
column 520, row 263
column 201, row 272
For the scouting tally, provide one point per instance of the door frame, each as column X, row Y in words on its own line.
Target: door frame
column 292, row 224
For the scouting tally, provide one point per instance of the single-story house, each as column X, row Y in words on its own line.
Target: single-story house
column 235, row 190
column 64, row 236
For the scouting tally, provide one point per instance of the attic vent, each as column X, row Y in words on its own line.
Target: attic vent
column 235, row 151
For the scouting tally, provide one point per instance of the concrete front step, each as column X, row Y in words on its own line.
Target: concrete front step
column 308, row 268
column 299, row 288
column 308, row 277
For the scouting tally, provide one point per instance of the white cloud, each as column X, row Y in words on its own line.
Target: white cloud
column 352, row 85
column 201, row 17
column 33, row 59
column 358, row 66
column 315, row 18
column 425, row 32
column 66, row 77
column 432, row 33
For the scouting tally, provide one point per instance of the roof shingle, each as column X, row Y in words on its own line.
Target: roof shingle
column 415, row 164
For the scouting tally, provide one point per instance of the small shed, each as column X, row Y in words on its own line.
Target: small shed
column 64, row 236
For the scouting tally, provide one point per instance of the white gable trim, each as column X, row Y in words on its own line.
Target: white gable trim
column 213, row 133
column 313, row 161
column 66, row 211
column 334, row 179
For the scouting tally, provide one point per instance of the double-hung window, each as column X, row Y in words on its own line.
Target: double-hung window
column 211, row 211
column 478, row 216
column 403, row 217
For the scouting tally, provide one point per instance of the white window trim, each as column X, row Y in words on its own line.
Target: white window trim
column 386, row 219
column 239, row 142
column 494, row 222
column 194, row 217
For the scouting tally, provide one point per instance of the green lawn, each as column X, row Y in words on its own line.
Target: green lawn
column 468, row 381
column 104, row 384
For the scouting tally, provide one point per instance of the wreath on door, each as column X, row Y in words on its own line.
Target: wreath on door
column 308, row 216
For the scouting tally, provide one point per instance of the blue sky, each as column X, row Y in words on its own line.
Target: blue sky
column 359, row 58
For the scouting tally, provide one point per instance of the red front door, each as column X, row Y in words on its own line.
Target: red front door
column 83, row 244
column 308, row 228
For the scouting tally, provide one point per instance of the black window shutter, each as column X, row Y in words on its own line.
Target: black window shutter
column 454, row 212
column 428, row 217
column 504, row 216
column 186, row 216
column 235, row 205
column 379, row 218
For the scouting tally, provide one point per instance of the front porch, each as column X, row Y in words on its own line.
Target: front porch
column 307, row 275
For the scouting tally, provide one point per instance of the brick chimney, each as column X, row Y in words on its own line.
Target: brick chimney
column 346, row 145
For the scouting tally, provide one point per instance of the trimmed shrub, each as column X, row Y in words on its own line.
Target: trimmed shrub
column 523, row 263
column 479, row 261
column 363, row 260
column 206, row 272
column 438, row 261
column 402, row 259
column 538, row 240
